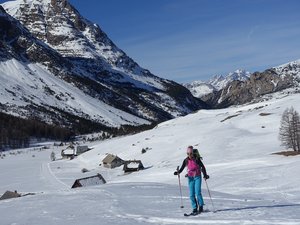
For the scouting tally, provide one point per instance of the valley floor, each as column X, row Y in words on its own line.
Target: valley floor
column 54, row 202
column 248, row 184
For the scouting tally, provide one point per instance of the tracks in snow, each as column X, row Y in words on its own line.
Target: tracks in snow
column 50, row 179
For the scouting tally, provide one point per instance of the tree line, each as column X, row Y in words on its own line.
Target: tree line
column 17, row 132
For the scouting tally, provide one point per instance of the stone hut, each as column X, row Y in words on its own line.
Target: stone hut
column 89, row 181
column 112, row 161
column 132, row 166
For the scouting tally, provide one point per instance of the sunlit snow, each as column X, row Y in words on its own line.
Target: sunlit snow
column 248, row 184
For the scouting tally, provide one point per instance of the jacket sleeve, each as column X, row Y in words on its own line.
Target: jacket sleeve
column 182, row 166
column 202, row 168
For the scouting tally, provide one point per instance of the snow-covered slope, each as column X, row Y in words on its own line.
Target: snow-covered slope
column 291, row 68
column 200, row 88
column 49, row 91
column 248, row 184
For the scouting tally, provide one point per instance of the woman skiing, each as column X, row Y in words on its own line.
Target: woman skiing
column 194, row 166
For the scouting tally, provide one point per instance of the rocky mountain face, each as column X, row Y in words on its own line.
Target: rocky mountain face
column 66, row 69
column 257, row 85
column 216, row 83
column 240, row 87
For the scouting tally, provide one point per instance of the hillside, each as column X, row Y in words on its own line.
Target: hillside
column 59, row 68
column 248, row 184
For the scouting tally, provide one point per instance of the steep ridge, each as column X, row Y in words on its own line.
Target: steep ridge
column 80, row 53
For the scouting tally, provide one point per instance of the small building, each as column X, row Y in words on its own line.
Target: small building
column 89, row 181
column 133, row 166
column 112, row 161
column 10, row 194
column 68, row 153
column 81, row 149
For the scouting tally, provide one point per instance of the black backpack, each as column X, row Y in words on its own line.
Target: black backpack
column 197, row 154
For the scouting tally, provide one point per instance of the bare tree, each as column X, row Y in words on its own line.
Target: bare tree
column 289, row 132
column 52, row 156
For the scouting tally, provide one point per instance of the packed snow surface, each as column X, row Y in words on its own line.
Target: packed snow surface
column 248, row 184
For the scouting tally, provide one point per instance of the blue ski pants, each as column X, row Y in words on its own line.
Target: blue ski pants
column 195, row 191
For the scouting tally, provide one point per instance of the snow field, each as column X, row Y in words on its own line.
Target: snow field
column 248, row 184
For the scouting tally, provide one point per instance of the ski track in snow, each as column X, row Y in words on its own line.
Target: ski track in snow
column 51, row 179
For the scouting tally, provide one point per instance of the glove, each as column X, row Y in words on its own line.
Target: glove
column 206, row 177
column 175, row 173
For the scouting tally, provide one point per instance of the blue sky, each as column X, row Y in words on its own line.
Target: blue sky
column 186, row 40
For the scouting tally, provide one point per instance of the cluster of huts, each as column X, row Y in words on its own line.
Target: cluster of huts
column 112, row 161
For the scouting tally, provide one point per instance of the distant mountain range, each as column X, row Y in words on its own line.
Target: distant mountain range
column 240, row 87
column 60, row 68
column 216, row 83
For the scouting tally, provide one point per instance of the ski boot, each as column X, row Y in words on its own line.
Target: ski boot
column 195, row 212
column 200, row 209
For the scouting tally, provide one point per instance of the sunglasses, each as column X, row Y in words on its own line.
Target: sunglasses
column 189, row 153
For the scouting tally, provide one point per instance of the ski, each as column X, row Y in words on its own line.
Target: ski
column 191, row 214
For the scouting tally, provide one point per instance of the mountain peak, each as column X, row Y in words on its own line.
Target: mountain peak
column 60, row 25
column 219, row 81
column 239, row 74
column 291, row 68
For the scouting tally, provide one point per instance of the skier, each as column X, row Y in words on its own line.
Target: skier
column 194, row 166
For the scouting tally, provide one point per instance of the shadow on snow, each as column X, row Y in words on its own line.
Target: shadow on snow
column 258, row 207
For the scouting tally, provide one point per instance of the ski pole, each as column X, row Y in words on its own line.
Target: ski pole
column 180, row 187
column 210, row 196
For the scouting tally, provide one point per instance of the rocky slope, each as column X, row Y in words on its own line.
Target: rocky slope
column 77, row 72
column 216, row 83
column 258, row 84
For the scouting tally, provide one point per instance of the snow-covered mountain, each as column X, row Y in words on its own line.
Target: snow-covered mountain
column 219, row 82
column 248, row 184
column 259, row 84
column 57, row 67
column 291, row 68
column 241, row 87
column 216, row 83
